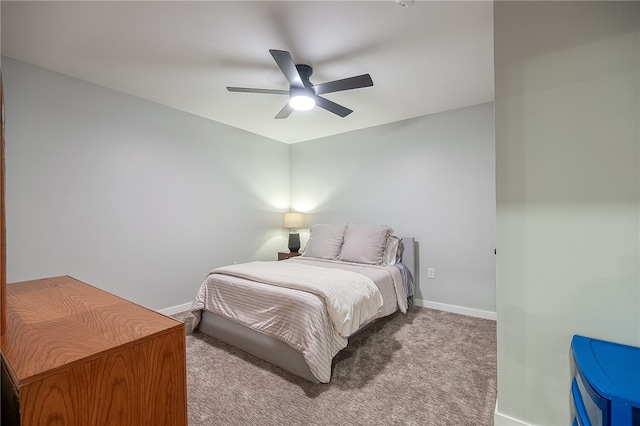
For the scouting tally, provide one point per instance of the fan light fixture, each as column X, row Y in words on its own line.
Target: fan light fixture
column 301, row 98
column 302, row 102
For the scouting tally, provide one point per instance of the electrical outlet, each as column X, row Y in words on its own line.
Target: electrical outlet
column 431, row 273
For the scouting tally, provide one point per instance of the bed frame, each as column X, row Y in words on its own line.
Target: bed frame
column 268, row 348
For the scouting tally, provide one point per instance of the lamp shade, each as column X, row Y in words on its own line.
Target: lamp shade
column 302, row 102
column 302, row 98
column 293, row 220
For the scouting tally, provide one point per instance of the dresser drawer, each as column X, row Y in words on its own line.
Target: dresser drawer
column 591, row 408
column 606, row 387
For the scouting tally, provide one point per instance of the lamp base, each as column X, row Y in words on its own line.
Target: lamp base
column 294, row 243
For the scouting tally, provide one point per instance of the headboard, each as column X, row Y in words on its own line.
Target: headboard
column 409, row 254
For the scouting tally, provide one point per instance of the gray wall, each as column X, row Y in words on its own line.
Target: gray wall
column 133, row 197
column 142, row 200
column 568, row 194
column 431, row 177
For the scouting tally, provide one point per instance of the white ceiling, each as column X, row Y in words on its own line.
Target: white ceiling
column 430, row 57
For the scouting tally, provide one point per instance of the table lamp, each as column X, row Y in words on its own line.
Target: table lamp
column 293, row 221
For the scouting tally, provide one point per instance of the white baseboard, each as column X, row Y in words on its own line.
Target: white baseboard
column 457, row 309
column 504, row 420
column 175, row 309
column 419, row 302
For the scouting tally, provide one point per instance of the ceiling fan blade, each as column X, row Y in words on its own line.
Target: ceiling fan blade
column 332, row 107
column 356, row 82
column 249, row 90
column 285, row 111
column 288, row 67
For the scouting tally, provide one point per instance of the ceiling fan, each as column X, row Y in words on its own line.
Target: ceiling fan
column 304, row 95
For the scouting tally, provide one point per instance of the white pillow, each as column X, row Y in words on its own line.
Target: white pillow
column 324, row 242
column 365, row 243
column 392, row 251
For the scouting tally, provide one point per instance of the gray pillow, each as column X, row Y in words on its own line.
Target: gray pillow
column 324, row 242
column 365, row 243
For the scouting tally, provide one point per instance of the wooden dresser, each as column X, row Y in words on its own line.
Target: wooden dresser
column 76, row 355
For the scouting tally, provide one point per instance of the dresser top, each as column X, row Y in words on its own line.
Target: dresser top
column 612, row 369
column 55, row 322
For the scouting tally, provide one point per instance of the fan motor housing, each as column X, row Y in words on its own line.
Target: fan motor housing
column 305, row 72
column 302, row 91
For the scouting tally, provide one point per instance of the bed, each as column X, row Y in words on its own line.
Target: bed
column 300, row 312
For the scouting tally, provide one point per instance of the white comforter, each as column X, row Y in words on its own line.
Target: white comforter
column 298, row 318
column 351, row 298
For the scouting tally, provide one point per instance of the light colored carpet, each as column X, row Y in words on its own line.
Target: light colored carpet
column 425, row 368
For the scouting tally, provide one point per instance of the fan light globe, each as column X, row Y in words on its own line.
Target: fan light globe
column 302, row 103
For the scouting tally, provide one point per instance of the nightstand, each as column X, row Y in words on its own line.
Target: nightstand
column 282, row 255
